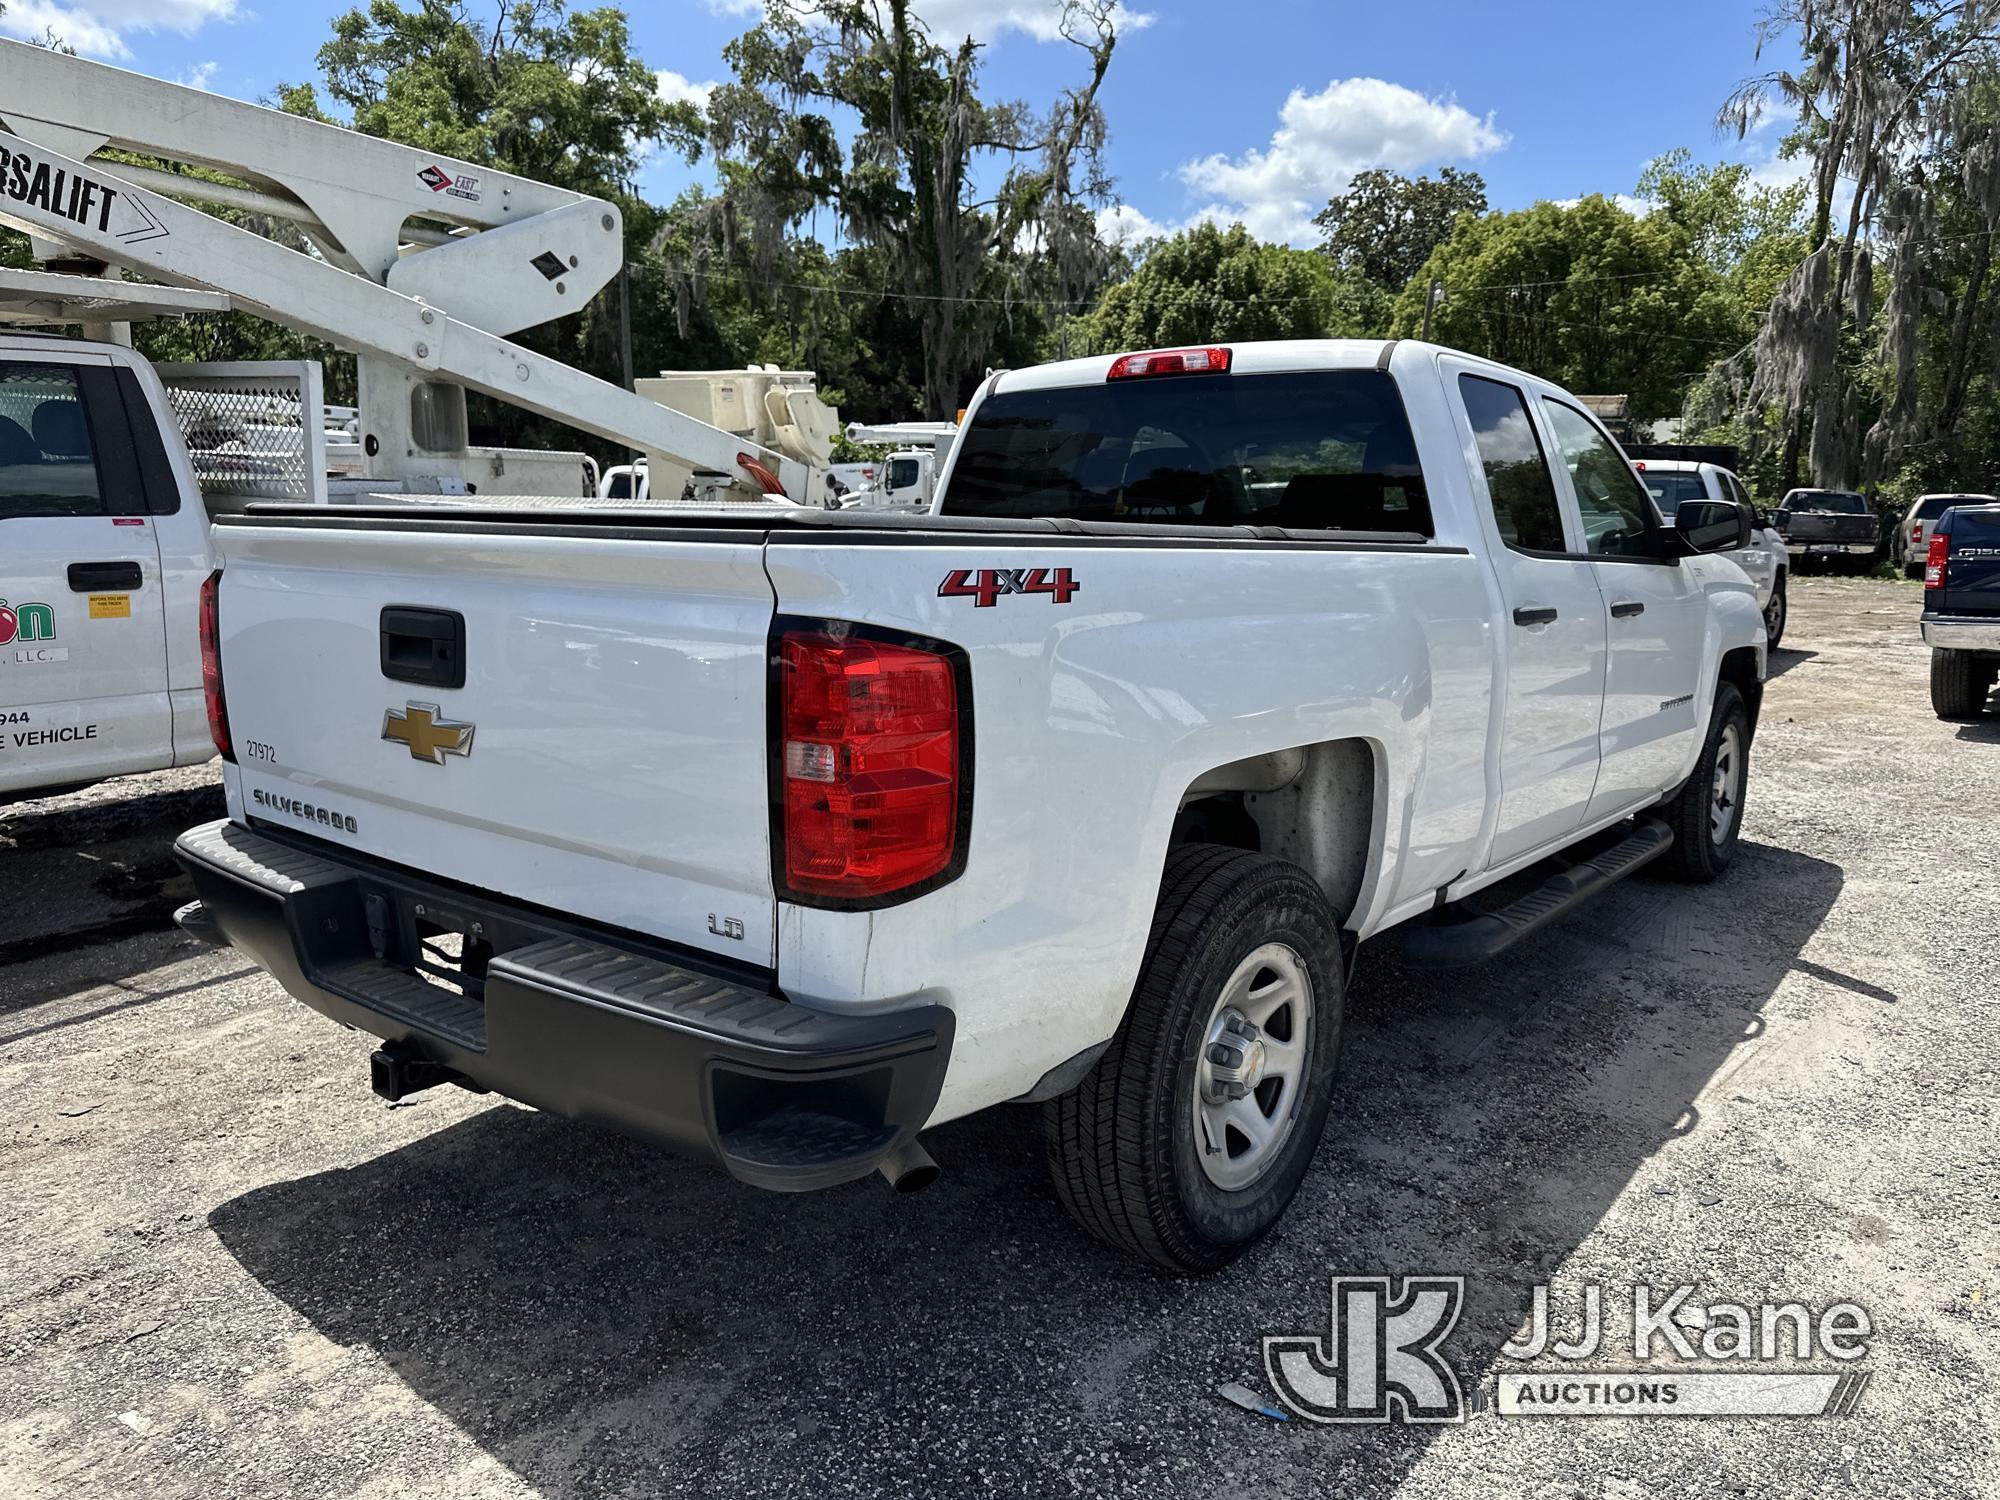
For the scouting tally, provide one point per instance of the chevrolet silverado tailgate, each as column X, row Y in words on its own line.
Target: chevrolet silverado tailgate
column 605, row 756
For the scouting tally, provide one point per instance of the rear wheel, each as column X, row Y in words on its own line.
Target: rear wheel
column 1913, row 570
column 1774, row 615
column 1706, row 815
column 1960, row 682
column 1189, row 1138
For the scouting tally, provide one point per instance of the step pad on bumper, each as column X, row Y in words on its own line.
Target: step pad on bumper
column 397, row 992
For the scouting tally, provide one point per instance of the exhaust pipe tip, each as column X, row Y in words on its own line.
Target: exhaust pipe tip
column 908, row 1168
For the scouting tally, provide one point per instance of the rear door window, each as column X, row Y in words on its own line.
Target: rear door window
column 1317, row 450
column 1523, row 491
column 48, row 466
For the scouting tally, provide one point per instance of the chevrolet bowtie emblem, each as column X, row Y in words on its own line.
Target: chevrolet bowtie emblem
column 429, row 736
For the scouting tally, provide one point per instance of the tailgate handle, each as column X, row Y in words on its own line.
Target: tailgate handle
column 424, row 646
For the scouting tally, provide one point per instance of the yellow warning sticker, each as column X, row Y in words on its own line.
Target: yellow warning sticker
column 110, row 606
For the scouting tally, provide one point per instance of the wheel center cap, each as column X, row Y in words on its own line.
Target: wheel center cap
column 1233, row 1062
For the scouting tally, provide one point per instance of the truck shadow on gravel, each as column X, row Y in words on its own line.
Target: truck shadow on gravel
column 97, row 872
column 603, row 1318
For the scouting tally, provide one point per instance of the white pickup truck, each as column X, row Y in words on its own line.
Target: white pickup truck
column 777, row 838
column 103, row 549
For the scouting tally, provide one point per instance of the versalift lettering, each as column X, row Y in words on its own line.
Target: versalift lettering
column 76, row 197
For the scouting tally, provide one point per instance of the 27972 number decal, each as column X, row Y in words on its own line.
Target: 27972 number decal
column 985, row 585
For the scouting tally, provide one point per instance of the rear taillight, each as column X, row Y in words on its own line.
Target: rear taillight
column 1170, row 362
column 873, row 761
column 1936, row 558
column 211, row 667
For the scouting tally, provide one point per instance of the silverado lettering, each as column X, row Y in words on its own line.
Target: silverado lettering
column 305, row 812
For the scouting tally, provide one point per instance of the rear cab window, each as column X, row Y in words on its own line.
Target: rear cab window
column 1670, row 487
column 1322, row 450
column 1932, row 506
column 1834, row 502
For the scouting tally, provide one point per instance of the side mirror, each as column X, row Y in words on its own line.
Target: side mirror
column 1712, row 525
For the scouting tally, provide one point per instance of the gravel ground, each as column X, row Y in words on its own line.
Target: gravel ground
column 229, row 1270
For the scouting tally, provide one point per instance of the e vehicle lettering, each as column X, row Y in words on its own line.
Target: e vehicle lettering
column 68, row 734
column 76, row 197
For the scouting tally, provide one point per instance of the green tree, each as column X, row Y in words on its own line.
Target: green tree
column 1385, row 225
column 1884, row 93
column 1588, row 295
column 527, row 86
column 853, row 105
column 1215, row 285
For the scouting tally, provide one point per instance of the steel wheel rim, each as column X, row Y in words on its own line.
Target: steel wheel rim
column 1774, row 612
column 1727, row 795
column 1249, row 1079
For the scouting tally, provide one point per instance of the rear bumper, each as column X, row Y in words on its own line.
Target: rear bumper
column 780, row 1095
column 1830, row 549
column 1962, row 632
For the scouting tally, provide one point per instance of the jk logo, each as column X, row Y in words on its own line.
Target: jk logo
column 1378, row 1361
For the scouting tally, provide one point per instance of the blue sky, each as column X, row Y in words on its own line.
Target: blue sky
column 1258, row 109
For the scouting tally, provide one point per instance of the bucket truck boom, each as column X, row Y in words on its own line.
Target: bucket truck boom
column 421, row 264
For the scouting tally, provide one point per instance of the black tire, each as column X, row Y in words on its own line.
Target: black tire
column 1123, row 1146
column 1913, row 570
column 1775, row 614
column 1700, row 852
column 1960, row 682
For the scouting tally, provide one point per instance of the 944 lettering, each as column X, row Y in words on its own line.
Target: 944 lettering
column 984, row 586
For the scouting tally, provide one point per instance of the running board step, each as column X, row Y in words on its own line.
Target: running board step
column 1484, row 935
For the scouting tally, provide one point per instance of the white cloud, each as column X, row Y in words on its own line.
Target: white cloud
column 199, row 76
column 99, row 27
column 1639, row 207
column 678, row 88
column 1322, row 140
column 950, row 21
column 1125, row 226
column 1781, row 171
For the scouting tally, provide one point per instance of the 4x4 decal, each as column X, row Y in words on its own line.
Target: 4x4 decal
column 986, row 585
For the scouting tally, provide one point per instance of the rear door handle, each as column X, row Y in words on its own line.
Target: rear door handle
column 1628, row 609
column 103, row 577
column 1537, row 615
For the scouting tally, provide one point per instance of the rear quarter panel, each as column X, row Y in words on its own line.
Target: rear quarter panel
column 1091, row 721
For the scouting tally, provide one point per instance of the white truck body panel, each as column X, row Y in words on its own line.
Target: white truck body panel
column 613, row 688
